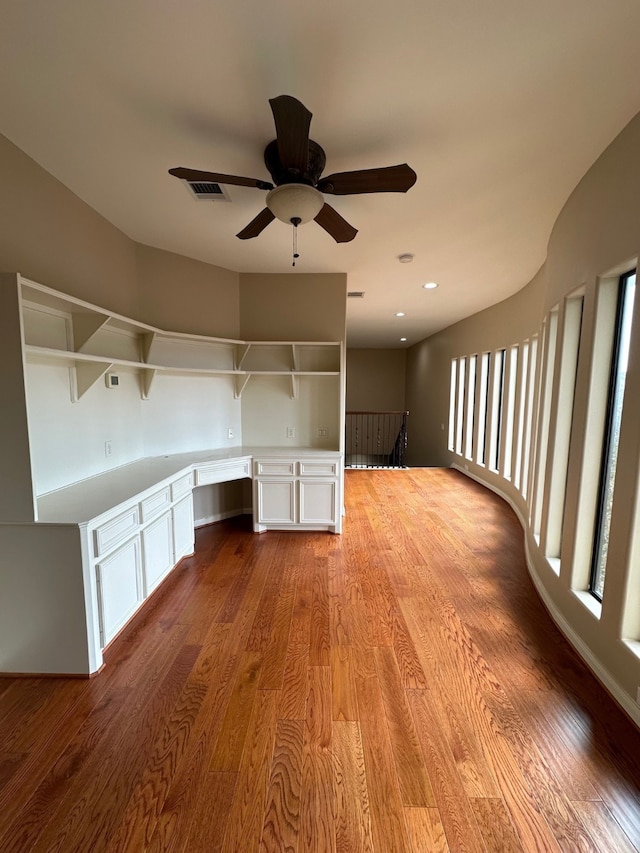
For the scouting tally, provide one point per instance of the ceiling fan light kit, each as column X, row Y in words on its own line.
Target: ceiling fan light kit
column 295, row 201
column 297, row 193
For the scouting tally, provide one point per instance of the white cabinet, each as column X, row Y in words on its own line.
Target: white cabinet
column 183, row 538
column 119, row 588
column 301, row 493
column 157, row 551
column 276, row 504
column 317, row 501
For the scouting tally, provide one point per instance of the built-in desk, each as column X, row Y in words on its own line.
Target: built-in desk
column 101, row 546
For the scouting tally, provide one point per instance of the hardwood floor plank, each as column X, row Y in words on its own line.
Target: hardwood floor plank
column 231, row 736
column 295, row 684
column 281, row 824
column 426, row 831
column 344, row 696
column 450, row 796
column 246, row 815
column 210, row 814
column 320, row 638
column 495, row 826
column 387, row 811
column 318, row 805
column 415, row 786
column 353, row 818
column 605, row 830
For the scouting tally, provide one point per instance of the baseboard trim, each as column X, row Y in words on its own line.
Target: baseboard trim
column 615, row 690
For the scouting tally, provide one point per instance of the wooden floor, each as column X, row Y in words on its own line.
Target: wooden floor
column 396, row 688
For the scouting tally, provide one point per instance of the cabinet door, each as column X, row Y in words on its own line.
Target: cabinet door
column 183, row 536
column 276, row 501
column 157, row 551
column 119, row 588
column 318, row 502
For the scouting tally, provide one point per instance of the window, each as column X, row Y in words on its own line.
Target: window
column 617, row 379
column 529, row 415
column 462, row 371
column 483, row 409
column 543, row 423
column 522, row 396
column 471, row 408
column 512, row 371
column 564, row 404
column 452, row 404
column 499, row 358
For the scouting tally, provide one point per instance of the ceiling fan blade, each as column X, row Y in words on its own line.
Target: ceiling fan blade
column 335, row 225
column 219, row 178
column 257, row 225
column 388, row 179
column 292, row 120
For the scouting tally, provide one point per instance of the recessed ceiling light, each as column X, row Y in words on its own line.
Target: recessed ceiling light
column 430, row 285
column 405, row 258
column 399, row 313
column 403, row 339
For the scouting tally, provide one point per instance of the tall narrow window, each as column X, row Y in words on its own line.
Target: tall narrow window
column 499, row 358
column 522, row 396
column 483, row 409
column 510, row 411
column 618, row 375
column 462, row 371
column 558, row 463
column 546, row 388
column 452, row 404
column 471, row 408
column 526, row 458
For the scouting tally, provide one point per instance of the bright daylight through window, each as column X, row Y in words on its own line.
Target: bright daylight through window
column 619, row 359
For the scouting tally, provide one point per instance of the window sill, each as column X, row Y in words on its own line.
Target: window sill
column 589, row 601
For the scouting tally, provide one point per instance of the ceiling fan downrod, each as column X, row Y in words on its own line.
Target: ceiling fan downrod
column 295, row 221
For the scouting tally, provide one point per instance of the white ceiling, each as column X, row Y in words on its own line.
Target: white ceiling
column 499, row 106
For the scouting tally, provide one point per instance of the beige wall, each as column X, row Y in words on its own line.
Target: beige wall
column 185, row 295
column 375, row 380
column 301, row 307
column 49, row 235
column 596, row 235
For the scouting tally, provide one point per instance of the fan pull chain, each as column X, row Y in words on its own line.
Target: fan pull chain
column 295, row 221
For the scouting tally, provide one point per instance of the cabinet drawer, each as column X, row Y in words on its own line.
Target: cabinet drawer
column 182, row 486
column 318, row 468
column 151, row 506
column 222, row 472
column 116, row 530
column 277, row 467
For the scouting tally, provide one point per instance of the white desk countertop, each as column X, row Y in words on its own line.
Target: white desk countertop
column 88, row 499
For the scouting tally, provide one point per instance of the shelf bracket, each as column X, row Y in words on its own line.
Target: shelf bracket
column 85, row 327
column 294, row 357
column 146, row 381
column 240, row 384
column 146, row 342
column 241, row 354
column 84, row 376
column 294, row 387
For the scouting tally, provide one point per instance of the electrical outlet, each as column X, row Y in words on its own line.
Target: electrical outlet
column 291, row 432
column 229, row 433
column 323, row 432
column 108, row 448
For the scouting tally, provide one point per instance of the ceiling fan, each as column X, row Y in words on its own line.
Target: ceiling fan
column 295, row 163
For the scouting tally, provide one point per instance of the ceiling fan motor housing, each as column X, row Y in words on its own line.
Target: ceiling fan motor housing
column 281, row 175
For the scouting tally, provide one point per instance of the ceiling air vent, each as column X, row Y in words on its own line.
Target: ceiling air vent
column 207, row 190
column 355, row 294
